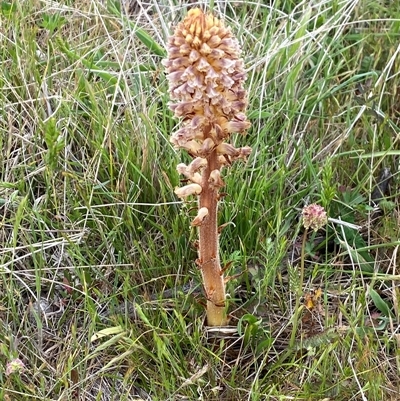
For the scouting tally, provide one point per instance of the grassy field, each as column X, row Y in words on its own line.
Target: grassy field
column 96, row 250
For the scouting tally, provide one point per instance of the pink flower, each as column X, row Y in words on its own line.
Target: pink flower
column 14, row 366
column 314, row 216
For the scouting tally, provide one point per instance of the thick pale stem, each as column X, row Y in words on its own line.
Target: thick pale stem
column 213, row 279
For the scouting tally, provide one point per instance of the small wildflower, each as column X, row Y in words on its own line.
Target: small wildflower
column 314, row 216
column 14, row 366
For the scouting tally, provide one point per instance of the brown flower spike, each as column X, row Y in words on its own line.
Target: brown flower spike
column 206, row 75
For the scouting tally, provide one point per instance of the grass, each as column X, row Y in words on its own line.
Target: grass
column 89, row 220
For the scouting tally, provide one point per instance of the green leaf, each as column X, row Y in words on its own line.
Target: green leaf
column 363, row 259
column 249, row 330
column 381, row 305
column 264, row 345
column 19, row 215
column 109, row 331
column 7, row 9
column 150, row 43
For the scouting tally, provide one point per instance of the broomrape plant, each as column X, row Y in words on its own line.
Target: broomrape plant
column 206, row 76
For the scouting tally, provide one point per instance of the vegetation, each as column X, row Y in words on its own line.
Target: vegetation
column 100, row 298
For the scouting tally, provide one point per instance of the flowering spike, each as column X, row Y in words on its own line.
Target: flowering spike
column 204, row 63
column 206, row 75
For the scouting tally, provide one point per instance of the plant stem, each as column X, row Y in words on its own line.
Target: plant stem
column 209, row 261
column 299, row 293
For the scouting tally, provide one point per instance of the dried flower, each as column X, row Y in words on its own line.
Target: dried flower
column 197, row 164
column 227, row 149
column 314, row 216
column 207, row 147
column 201, row 215
column 192, row 147
column 215, row 179
column 195, row 177
column 187, row 190
column 244, row 152
column 14, row 366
